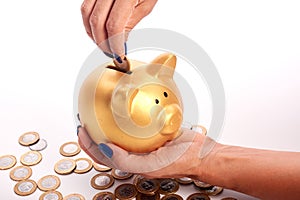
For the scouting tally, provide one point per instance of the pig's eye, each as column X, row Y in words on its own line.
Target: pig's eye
column 165, row 94
column 156, row 101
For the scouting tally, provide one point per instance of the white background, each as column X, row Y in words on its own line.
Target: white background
column 254, row 44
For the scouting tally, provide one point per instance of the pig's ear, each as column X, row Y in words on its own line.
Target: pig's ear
column 163, row 65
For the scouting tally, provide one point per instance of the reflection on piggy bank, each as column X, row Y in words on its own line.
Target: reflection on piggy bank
column 139, row 110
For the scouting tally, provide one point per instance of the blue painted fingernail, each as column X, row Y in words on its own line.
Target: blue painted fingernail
column 125, row 47
column 106, row 150
column 108, row 54
column 78, row 117
column 79, row 126
column 118, row 58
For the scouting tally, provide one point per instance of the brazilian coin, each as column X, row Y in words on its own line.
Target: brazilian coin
column 147, row 186
column 213, row 190
column 49, row 182
column 201, row 184
column 104, row 196
column 199, row 129
column 83, row 165
column 69, row 149
column 141, row 196
column 120, row 175
column 29, row 138
column 137, row 178
column 198, row 196
column 184, row 180
column 74, row 197
column 51, row 195
column 7, row 161
column 31, row 158
column 126, row 191
column 228, row 198
column 39, row 146
column 102, row 181
column 20, row 173
column 65, row 166
column 101, row 168
column 25, row 187
column 168, row 186
column 172, row 197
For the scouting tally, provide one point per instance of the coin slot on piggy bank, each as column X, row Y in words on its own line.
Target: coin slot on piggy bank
column 139, row 110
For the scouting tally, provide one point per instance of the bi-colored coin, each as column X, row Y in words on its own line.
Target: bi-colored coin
column 141, row 196
column 120, row 175
column 65, row 166
column 172, row 197
column 104, row 196
column 39, row 146
column 168, row 186
column 101, row 168
column 31, row 158
column 213, row 190
column 49, row 182
column 83, row 165
column 199, row 129
column 25, row 187
column 74, row 196
column 69, row 149
column 7, row 161
column 201, row 184
column 20, row 173
column 147, row 186
column 102, row 181
column 197, row 196
column 51, row 195
column 137, row 178
column 184, row 180
column 29, row 138
column 126, row 191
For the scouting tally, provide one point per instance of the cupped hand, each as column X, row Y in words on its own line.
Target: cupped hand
column 108, row 22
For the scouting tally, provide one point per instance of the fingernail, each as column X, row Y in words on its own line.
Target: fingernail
column 125, row 47
column 118, row 58
column 79, row 126
column 106, row 150
column 78, row 117
column 108, row 54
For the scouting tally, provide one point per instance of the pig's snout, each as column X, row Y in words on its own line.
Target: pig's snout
column 173, row 119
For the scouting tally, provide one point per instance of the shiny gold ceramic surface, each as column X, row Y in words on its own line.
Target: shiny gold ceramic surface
column 139, row 110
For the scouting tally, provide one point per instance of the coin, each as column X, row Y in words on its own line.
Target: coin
column 168, row 186
column 199, row 129
column 147, row 186
column 69, row 149
column 29, row 138
column 102, row 181
column 74, row 197
column 213, row 190
column 39, row 146
column 120, row 175
column 184, row 180
column 65, row 166
column 141, row 196
column 137, row 178
column 25, row 187
column 49, row 182
column 104, row 196
column 172, row 197
column 83, row 165
column 20, row 173
column 7, row 161
column 51, row 195
column 228, row 198
column 101, row 168
column 126, row 191
column 201, row 184
column 198, row 196
column 31, row 158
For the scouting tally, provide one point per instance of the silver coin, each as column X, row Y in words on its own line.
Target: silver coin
column 25, row 187
column 51, row 196
column 102, row 180
column 6, row 161
column 29, row 137
column 31, row 158
column 49, row 182
column 70, row 148
column 82, row 164
column 121, row 173
column 39, row 146
column 21, row 172
column 65, row 165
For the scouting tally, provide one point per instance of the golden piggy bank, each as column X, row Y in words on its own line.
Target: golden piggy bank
column 139, row 110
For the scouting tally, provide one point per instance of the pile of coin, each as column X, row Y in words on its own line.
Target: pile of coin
column 135, row 186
